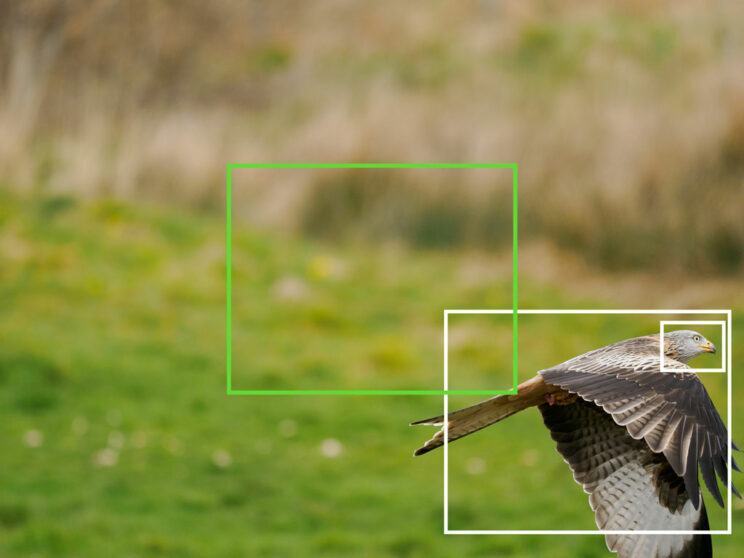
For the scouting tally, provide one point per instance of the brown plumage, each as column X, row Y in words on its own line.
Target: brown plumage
column 633, row 436
column 478, row 416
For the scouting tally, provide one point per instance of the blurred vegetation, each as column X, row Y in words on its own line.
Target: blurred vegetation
column 626, row 119
column 117, row 437
column 116, row 122
column 373, row 205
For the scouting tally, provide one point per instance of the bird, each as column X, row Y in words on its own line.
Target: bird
column 633, row 435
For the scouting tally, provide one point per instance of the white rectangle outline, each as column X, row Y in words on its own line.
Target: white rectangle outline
column 448, row 531
column 662, row 323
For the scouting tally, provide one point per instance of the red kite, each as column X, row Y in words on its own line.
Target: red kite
column 633, row 436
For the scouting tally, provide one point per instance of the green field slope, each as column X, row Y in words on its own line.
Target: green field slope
column 117, row 437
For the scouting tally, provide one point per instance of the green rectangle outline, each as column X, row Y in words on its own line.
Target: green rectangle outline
column 228, row 262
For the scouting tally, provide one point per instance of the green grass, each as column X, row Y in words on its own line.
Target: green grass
column 117, row 438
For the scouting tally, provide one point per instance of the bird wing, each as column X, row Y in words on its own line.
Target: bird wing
column 630, row 486
column 671, row 411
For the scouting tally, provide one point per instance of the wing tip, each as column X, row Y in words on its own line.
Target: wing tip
column 717, row 496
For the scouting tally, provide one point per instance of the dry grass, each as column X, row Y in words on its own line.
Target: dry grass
column 627, row 121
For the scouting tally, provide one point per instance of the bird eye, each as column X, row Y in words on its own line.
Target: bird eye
column 696, row 338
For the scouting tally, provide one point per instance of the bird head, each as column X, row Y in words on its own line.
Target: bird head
column 685, row 344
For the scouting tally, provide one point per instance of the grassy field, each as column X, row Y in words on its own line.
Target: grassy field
column 117, row 438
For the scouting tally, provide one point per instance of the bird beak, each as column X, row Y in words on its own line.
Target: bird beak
column 709, row 347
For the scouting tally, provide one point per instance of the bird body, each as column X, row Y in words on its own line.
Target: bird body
column 633, row 436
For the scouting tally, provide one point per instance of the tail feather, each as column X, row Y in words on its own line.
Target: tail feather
column 471, row 419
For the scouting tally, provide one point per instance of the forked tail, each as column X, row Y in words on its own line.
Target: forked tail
column 473, row 418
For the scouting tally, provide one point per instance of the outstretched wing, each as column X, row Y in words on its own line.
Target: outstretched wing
column 671, row 411
column 630, row 487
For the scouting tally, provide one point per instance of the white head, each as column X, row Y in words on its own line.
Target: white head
column 685, row 344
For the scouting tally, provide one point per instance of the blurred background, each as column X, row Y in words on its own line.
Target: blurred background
column 117, row 120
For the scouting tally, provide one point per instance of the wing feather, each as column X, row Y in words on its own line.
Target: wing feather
column 671, row 411
column 709, row 476
column 629, row 486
